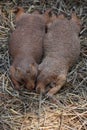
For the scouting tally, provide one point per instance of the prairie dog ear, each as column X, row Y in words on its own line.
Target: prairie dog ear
column 76, row 19
column 19, row 11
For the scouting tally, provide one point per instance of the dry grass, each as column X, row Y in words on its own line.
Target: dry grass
column 28, row 111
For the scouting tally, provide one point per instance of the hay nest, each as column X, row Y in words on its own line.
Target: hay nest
column 22, row 110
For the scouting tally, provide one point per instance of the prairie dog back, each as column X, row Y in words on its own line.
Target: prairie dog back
column 61, row 50
column 28, row 36
column 62, row 40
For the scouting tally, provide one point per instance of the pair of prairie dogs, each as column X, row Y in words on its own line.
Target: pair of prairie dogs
column 60, row 48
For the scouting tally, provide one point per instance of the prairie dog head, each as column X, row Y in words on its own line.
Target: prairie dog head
column 24, row 75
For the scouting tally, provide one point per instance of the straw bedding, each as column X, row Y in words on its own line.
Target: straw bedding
column 22, row 110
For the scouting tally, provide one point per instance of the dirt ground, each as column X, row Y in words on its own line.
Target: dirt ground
column 22, row 110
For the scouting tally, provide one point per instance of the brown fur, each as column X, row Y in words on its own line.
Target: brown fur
column 61, row 51
column 49, row 17
column 19, row 11
column 25, row 47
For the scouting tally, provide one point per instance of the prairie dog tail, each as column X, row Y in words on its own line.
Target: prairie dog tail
column 47, row 15
column 19, row 11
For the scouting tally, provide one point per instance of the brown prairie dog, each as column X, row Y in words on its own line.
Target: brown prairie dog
column 61, row 51
column 25, row 47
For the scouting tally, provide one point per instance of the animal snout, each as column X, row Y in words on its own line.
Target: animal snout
column 30, row 85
